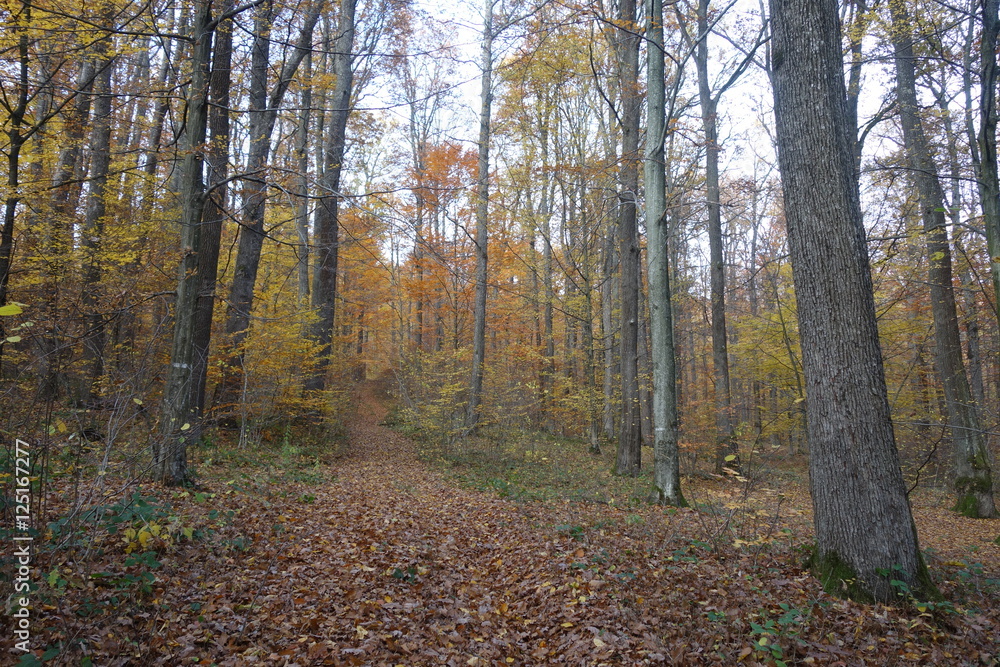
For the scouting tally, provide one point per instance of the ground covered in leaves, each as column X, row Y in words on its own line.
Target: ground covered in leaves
column 383, row 557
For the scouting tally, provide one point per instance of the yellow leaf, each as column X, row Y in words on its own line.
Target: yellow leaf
column 185, row 427
column 567, row 625
column 144, row 537
column 11, row 309
column 137, row 401
column 731, row 457
column 599, row 643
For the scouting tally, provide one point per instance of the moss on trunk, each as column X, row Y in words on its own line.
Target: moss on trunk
column 840, row 579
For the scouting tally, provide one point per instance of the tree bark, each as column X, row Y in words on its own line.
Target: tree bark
column 988, row 179
column 666, row 459
column 629, row 457
column 865, row 535
column 214, row 213
column 472, row 416
column 170, row 457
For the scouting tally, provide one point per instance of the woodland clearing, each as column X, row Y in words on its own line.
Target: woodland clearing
column 377, row 555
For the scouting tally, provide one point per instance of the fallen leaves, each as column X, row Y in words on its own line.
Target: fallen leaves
column 390, row 564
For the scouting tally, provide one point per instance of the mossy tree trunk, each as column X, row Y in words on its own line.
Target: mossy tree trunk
column 865, row 535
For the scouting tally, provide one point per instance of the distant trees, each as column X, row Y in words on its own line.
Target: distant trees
column 973, row 477
column 510, row 269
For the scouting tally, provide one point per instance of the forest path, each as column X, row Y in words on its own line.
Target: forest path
column 392, row 565
column 379, row 559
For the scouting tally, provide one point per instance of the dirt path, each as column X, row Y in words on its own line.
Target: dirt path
column 384, row 562
column 391, row 565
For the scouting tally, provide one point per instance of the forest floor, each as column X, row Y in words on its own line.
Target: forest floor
column 378, row 555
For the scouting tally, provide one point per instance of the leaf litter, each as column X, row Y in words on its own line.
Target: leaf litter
column 390, row 563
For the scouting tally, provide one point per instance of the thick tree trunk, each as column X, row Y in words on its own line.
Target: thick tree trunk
column 973, row 477
column 629, row 458
column 482, row 218
column 324, row 296
column 865, row 535
column 666, row 459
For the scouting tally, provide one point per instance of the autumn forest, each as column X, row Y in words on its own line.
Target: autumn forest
column 502, row 332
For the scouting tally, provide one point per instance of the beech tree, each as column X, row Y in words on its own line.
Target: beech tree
column 666, row 477
column 865, row 535
column 170, row 456
column 629, row 459
column 482, row 219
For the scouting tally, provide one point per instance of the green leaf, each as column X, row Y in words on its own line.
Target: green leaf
column 11, row 309
column 731, row 457
column 13, row 339
column 185, row 427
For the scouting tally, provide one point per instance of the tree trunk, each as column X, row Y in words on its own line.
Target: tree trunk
column 324, row 297
column 608, row 284
column 666, row 459
column 17, row 136
column 986, row 166
column 214, row 213
column 865, row 535
column 545, row 214
column 170, row 458
column 726, row 445
column 302, row 202
column 629, row 458
column 93, row 230
column 482, row 218
column 973, row 477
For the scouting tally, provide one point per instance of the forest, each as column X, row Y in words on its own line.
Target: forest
column 373, row 332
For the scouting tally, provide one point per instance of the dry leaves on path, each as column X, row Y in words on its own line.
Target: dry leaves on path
column 387, row 563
